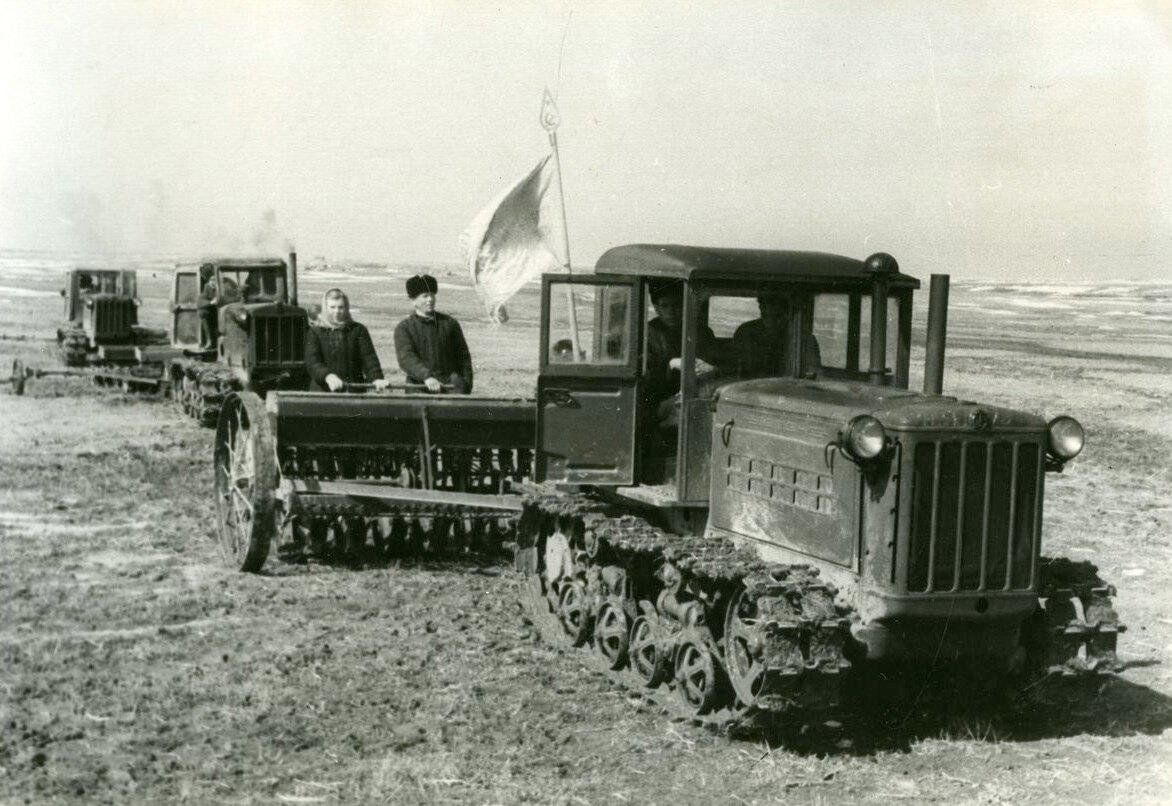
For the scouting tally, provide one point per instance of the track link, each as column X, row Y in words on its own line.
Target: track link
column 199, row 388
column 696, row 625
column 1076, row 628
column 73, row 347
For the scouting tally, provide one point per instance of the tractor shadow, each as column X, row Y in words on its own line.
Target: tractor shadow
column 487, row 563
column 1055, row 708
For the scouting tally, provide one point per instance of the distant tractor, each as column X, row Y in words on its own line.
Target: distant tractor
column 101, row 319
column 776, row 519
column 238, row 327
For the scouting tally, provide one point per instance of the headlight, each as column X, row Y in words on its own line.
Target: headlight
column 241, row 318
column 89, row 302
column 1066, row 438
column 864, row 437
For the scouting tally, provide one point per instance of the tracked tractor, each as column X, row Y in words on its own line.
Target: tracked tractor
column 778, row 514
column 101, row 319
column 237, row 326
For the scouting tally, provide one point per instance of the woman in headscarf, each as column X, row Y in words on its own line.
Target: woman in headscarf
column 338, row 350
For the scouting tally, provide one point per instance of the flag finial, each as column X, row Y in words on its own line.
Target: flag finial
column 549, row 113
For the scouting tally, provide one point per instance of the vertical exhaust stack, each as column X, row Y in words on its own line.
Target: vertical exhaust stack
column 292, row 278
column 880, row 265
column 937, row 330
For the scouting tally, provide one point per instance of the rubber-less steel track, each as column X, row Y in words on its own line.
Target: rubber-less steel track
column 726, row 633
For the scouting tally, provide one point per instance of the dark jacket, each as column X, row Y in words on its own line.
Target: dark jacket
column 663, row 344
column 345, row 351
column 434, row 348
column 762, row 354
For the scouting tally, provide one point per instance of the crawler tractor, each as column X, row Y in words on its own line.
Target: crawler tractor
column 101, row 321
column 236, row 325
column 775, row 526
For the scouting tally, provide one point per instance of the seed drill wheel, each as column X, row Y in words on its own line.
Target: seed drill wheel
column 246, row 478
column 18, row 377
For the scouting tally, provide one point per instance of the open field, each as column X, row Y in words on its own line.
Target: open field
column 133, row 667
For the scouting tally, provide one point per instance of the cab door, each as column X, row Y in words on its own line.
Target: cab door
column 185, row 318
column 588, row 381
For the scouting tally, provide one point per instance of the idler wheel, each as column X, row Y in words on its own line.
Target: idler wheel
column 742, row 649
column 696, row 676
column 574, row 612
column 246, row 478
column 612, row 634
column 643, row 652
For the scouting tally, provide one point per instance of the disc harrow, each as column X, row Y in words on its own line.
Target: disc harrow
column 725, row 633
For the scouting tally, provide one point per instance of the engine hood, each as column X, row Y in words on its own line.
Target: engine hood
column 897, row 409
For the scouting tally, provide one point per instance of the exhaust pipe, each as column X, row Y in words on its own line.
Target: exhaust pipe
column 937, row 330
column 292, row 278
column 880, row 265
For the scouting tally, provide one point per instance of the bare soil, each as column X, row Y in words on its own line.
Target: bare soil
column 135, row 668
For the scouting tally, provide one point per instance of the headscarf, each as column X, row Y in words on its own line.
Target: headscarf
column 323, row 317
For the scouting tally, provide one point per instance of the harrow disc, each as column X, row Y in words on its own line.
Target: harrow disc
column 246, row 479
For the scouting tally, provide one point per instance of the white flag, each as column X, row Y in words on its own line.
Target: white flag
column 507, row 243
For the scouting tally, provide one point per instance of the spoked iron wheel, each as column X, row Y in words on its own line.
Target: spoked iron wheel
column 612, row 634
column 573, row 612
column 643, row 652
column 696, row 676
column 742, row 656
column 246, row 478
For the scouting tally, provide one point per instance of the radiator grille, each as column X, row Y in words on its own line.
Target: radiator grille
column 278, row 339
column 974, row 515
column 112, row 318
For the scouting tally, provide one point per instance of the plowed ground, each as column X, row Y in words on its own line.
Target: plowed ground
column 135, row 668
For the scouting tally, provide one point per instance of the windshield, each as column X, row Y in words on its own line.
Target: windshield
column 260, row 284
column 93, row 281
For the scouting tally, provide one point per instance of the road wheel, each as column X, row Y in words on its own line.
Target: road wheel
column 246, row 482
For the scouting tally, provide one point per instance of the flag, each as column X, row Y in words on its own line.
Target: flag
column 507, row 244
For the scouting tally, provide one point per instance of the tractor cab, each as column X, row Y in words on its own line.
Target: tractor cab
column 201, row 293
column 635, row 355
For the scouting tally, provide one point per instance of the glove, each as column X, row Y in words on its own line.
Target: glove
column 335, row 383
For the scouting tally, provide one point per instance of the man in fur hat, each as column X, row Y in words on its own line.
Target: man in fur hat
column 430, row 345
column 338, row 350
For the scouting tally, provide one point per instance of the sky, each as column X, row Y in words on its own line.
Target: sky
column 1023, row 141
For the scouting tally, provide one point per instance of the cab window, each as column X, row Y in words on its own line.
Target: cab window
column 842, row 325
column 596, row 316
column 186, row 288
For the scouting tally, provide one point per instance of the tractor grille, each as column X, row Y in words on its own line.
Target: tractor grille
column 278, row 339
column 112, row 318
column 975, row 515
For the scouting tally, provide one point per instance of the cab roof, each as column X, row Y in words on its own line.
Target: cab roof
column 236, row 263
column 712, row 263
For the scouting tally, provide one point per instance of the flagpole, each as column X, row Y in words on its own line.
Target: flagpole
column 549, row 122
